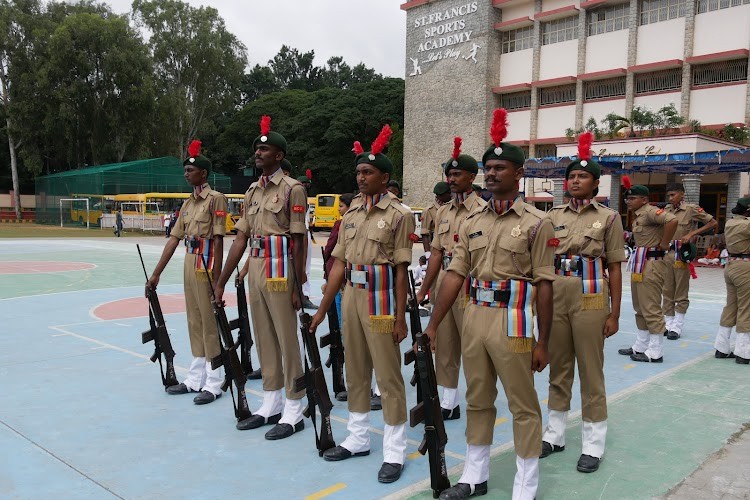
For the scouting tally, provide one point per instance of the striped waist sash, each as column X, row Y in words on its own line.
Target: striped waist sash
column 378, row 280
column 203, row 248
column 591, row 272
column 638, row 258
column 275, row 251
column 512, row 295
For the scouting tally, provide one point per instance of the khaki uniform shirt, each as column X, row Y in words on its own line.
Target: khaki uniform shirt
column 688, row 214
column 648, row 225
column 737, row 234
column 595, row 231
column 381, row 235
column 448, row 220
column 511, row 246
column 428, row 219
column 203, row 216
column 278, row 209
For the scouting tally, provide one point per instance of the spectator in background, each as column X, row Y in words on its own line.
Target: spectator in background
column 712, row 256
column 167, row 224
column 345, row 201
column 118, row 223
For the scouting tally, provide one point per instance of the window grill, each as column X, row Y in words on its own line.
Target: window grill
column 557, row 95
column 560, row 30
column 703, row 6
column 655, row 11
column 516, row 100
column 601, row 89
column 658, row 81
column 720, row 72
column 545, row 150
column 608, row 19
column 515, row 40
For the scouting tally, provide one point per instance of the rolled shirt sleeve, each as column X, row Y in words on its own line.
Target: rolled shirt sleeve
column 615, row 245
column 542, row 253
column 297, row 210
column 178, row 231
column 402, row 242
column 461, row 260
column 219, row 215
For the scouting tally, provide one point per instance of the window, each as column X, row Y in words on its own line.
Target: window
column 601, row 89
column 545, row 150
column 720, row 72
column 654, row 11
column 516, row 100
column 702, row 6
column 560, row 30
column 557, row 95
column 515, row 40
column 658, row 81
column 608, row 19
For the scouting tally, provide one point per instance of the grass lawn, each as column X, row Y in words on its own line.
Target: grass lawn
column 45, row 231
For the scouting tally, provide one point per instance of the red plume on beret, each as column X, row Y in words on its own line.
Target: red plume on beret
column 358, row 149
column 265, row 124
column 584, row 145
column 456, row 147
column 308, row 173
column 499, row 128
column 626, row 182
column 381, row 141
column 194, row 149
column 565, row 185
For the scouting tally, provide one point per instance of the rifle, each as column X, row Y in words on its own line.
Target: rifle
column 242, row 324
column 415, row 326
column 428, row 410
column 158, row 333
column 313, row 381
column 228, row 356
column 336, row 346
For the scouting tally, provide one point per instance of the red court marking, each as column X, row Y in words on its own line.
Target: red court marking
column 137, row 307
column 42, row 266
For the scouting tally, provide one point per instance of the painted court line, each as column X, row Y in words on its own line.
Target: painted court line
column 327, row 491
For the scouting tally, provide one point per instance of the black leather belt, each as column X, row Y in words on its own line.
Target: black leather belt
column 499, row 295
column 740, row 255
column 655, row 253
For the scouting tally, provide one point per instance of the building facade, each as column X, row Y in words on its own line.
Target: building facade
column 557, row 64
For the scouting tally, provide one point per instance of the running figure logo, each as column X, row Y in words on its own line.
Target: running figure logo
column 473, row 54
column 417, row 70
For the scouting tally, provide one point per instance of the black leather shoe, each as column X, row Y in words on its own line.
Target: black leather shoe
column 463, row 490
column 338, row 453
column 720, row 355
column 307, row 304
column 587, row 463
column 389, row 473
column 741, row 361
column 255, row 375
column 341, row 396
column 666, row 333
column 281, row 431
column 257, row 421
column 178, row 389
column 627, row 352
column 641, row 356
column 205, row 397
column 673, row 335
column 375, row 403
column 453, row 414
column 549, row 448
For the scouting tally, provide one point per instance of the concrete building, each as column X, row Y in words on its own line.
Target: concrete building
column 557, row 64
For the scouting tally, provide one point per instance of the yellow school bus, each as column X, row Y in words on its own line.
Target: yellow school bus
column 98, row 204
column 326, row 211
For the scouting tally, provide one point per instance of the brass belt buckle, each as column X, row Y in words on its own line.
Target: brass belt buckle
column 485, row 295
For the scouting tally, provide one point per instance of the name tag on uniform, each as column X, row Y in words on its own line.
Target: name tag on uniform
column 474, row 235
column 485, row 295
column 559, row 228
column 349, row 226
column 359, row 277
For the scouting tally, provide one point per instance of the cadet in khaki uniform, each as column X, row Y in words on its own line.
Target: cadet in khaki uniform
column 653, row 229
column 274, row 225
column 737, row 277
column 503, row 249
column 201, row 224
column 460, row 170
column 372, row 254
column 442, row 196
column 677, row 276
column 588, row 252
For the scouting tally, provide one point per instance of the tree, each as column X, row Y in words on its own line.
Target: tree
column 198, row 67
column 667, row 118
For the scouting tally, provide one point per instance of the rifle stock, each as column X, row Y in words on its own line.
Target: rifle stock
column 242, row 325
column 158, row 333
column 333, row 339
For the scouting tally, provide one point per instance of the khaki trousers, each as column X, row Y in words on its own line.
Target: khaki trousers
column 647, row 297
column 576, row 335
column 204, row 336
column 366, row 350
column 275, row 325
column 448, row 348
column 487, row 356
column 737, row 311
column 676, row 287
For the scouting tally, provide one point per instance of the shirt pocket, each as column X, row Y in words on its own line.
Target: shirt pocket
column 381, row 236
column 593, row 241
column 274, row 206
column 515, row 245
column 562, row 232
column 478, row 243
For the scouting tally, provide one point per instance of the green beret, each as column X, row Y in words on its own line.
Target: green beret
column 505, row 151
column 637, row 190
column 303, row 179
column 286, row 165
column 441, row 188
column 742, row 206
column 271, row 138
column 589, row 166
column 199, row 161
column 687, row 253
column 464, row 162
column 379, row 161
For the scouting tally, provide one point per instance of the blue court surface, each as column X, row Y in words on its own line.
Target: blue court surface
column 84, row 414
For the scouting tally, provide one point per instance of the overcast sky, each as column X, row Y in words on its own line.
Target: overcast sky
column 368, row 31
